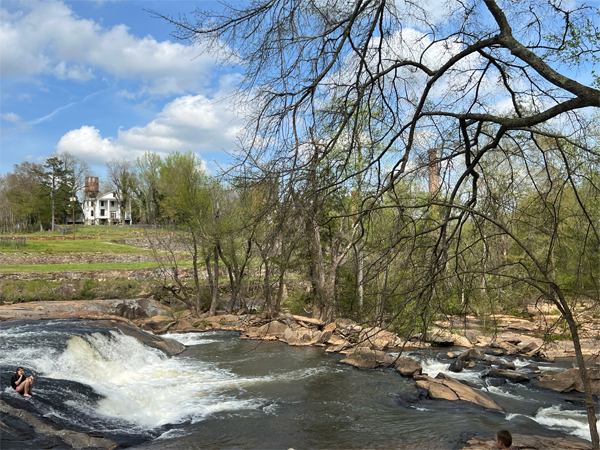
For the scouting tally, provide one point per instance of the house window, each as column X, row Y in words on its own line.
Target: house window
column 113, row 215
column 101, row 213
column 112, row 203
column 91, row 213
column 102, row 203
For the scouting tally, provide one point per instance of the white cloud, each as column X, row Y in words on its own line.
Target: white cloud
column 17, row 122
column 49, row 38
column 192, row 123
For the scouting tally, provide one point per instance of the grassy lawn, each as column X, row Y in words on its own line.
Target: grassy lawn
column 96, row 230
column 16, row 268
column 82, row 245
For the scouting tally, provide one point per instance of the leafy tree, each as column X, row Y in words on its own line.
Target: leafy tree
column 56, row 178
column 146, row 188
column 122, row 180
column 440, row 85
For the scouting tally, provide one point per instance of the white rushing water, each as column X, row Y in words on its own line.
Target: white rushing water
column 139, row 384
column 573, row 422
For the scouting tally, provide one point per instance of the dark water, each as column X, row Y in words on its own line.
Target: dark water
column 224, row 393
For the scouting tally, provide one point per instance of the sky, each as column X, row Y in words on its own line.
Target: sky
column 105, row 79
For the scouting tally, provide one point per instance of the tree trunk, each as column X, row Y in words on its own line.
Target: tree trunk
column 52, row 200
column 360, row 276
column 587, row 387
column 215, row 283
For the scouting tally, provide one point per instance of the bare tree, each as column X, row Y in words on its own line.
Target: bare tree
column 490, row 71
column 78, row 168
column 122, row 179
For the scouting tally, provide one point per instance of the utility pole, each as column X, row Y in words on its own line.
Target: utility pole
column 73, row 200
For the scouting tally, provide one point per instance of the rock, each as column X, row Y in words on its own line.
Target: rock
column 309, row 320
column 378, row 339
column 509, row 337
column 509, row 349
column 523, row 326
column 529, row 442
column 452, row 355
column 440, row 337
column 336, row 340
column 273, row 329
column 472, row 355
column 530, row 347
column 457, row 366
column 570, row 380
column 408, row 367
column 509, row 375
column 461, row 341
column 330, row 327
column 495, row 381
column 408, row 399
column 72, row 438
column 448, row 388
column 321, row 338
column 298, row 337
column 129, row 309
column 507, row 366
column 366, row 358
column 347, row 329
column 168, row 346
column 336, row 348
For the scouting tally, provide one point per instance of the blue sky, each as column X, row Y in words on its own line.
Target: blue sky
column 104, row 79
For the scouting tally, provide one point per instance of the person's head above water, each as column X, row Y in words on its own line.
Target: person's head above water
column 503, row 439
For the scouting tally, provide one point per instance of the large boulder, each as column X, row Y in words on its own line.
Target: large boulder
column 456, row 366
column 366, row 358
column 378, row 339
column 472, row 355
column 509, row 375
column 168, row 346
column 300, row 336
column 447, row 388
column 41, row 427
column 570, row 380
column 439, row 337
column 408, row 367
column 271, row 330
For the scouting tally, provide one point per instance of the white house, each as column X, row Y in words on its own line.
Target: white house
column 105, row 210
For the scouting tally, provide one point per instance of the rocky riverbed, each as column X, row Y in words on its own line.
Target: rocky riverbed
column 363, row 347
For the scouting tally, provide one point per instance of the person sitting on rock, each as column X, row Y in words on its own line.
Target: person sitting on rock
column 21, row 384
column 503, row 440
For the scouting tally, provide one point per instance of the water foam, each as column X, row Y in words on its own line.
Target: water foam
column 433, row 367
column 572, row 422
column 140, row 387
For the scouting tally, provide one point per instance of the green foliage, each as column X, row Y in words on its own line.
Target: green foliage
column 298, row 302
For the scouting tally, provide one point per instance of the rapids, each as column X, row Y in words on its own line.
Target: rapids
column 222, row 392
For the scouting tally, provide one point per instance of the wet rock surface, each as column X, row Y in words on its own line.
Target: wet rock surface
column 444, row 387
column 570, row 380
column 522, row 441
column 23, row 429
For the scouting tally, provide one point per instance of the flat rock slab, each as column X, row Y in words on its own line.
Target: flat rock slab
column 137, row 308
column 168, row 346
column 522, row 441
column 447, row 388
column 570, row 380
column 48, row 432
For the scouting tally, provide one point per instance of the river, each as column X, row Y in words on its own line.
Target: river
column 226, row 393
